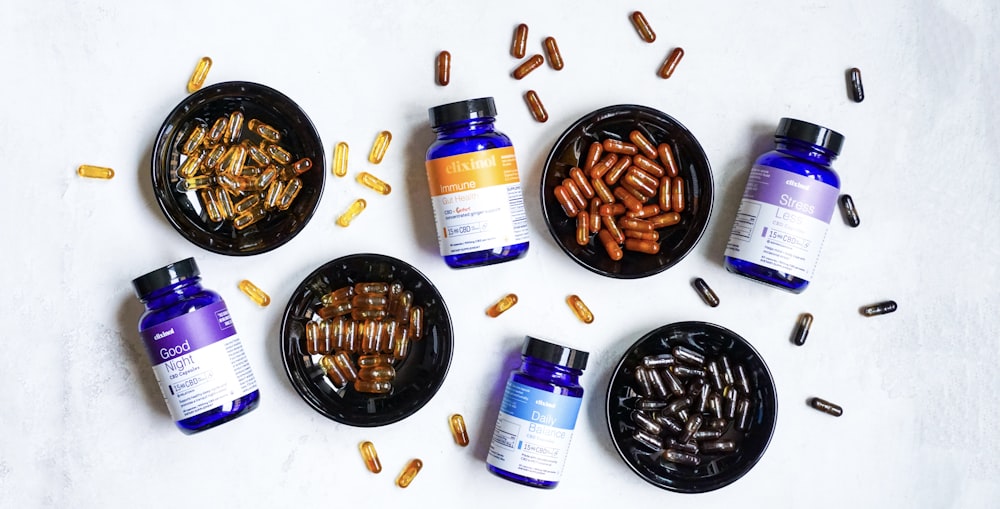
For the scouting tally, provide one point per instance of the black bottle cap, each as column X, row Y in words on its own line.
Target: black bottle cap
column 165, row 276
column 551, row 352
column 810, row 133
column 462, row 110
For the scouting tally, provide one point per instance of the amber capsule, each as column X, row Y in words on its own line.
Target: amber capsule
column 880, row 308
column 379, row 148
column 443, row 68
column 619, row 147
column 677, row 202
column 636, row 190
column 371, row 360
column 263, row 130
column 377, row 374
column 612, row 228
column 855, row 86
column 632, row 234
column 255, row 293
column 574, row 192
column 501, row 305
column 613, row 249
column 642, row 26
column 256, row 154
column 527, row 66
column 617, row 170
column 536, row 106
column 602, row 191
column 643, row 143
column 602, row 166
column 343, row 361
column 401, row 348
column 519, row 45
column 409, row 472
column 642, row 246
column 583, row 228
column 825, row 406
column 333, row 371
column 552, row 50
column 641, row 181
column 458, row 430
column 245, row 219
column 667, row 158
column 566, row 201
column 194, row 140
column 593, row 156
column 416, row 323
column 302, row 165
column 288, row 194
column 197, row 78
column 214, row 157
column 233, row 160
column 234, row 127
column 664, row 220
column 340, row 159
column 352, row 212
column 207, row 199
column 370, row 455
column 628, row 199
column 594, row 215
column 218, row 130
column 581, row 182
column 274, row 192
column 191, row 165
column 373, row 386
column 648, row 165
column 580, row 309
column 278, row 153
column 802, row 329
column 374, row 183
column 225, row 203
column 369, row 301
column 663, row 194
column 849, row 210
column 196, row 182
column 630, row 223
column 707, row 294
column 667, row 69
column 645, row 212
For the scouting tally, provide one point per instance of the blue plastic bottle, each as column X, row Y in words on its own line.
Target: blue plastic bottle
column 197, row 356
column 538, row 415
column 786, row 209
column 475, row 187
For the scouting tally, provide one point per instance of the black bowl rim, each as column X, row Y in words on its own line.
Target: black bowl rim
column 696, row 146
column 450, row 343
column 658, row 332
column 161, row 139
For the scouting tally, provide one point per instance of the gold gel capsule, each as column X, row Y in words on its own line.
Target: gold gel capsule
column 199, row 182
column 642, row 26
column 552, row 50
column 527, row 66
column 333, row 371
column 372, row 386
column 264, row 130
column 207, row 199
column 233, row 160
column 351, row 212
column 273, row 194
column 191, row 165
column 519, row 45
column 370, row 455
column 214, row 157
column 536, row 106
column 289, row 193
column 278, row 153
column 458, row 430
column 670, row 63
column 198, row 76
column 95, row 172
column 225, row 203
column 408, row 473
column 416, row 325
column 194, row 140
column 443, row 68
column 234, row 128
column 580, row 309
column 502, row 305
column 255, row 293
column 379, row 147
column 218, row 129
column 374, row 183
column 340, row 159
column 256, row 154
column 245, row 219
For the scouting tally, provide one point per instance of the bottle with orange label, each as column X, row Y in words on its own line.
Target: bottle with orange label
column 475, row 187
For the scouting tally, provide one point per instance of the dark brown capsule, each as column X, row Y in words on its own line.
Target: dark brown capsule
column 825, row 406
column 673, row 383
column 743, row 414
column 701, row 398
column 688, row 447
column 854, row 84
column 688, row 356
column 687, row 372
column 659, row 360
column 691, row 427
column 642, row 26
column 657, row 383
column 726, row 370
column 666, row 420
column 536, row 106
column 642, row 379
column 676, row 405
column 643, row 421
column 849, row 211
column 519, row 44
column 443, row 68
column 705, row 292
column 650, row 441
column 715, row 375
column 681, row 458
column 552, row 50
column 706, row 434
column 742, row 379
column 647, row 405
column 880, row 308
column 667, row 69
column 730, row 396
column 718, row 446
column 802, row 329
column 718, row 424
column 527, row 66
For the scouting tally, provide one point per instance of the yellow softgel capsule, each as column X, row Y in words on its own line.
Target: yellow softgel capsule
column 194, row 140
column 502, row 305
column 340, row 159
column 352, row 212
column 409, row 472
column 458, row 429
column 289, row 193
column 207, row 199
column 255, row 293
column 200, row 72
column 217, row 130
column 234, row 128
column 95, row 172
column 264, row 130
column 245, row 219
column 278, row 153
column 374, row 183
column 370, row 455
column 379, row 147
column 198, row 182
column 191, row 165
column 580, row 309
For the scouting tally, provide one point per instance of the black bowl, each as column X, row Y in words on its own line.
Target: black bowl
column 617, row 122
column 183, row 210
column 418, row 377
column 710, row 340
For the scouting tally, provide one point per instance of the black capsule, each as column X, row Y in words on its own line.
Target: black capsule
column 825, row 406
column 681, row 457
column 849, row 211
column 673, row 383
column 657, row 383
column 701, row 398
column 802, row 329
column 718, row 446
column 729, row 398
column 685, row 371
column 646, row 404
column 658, row 361
column 705, row 291
column 725, row 370
column 715, row 375
column 854, row 84
column 688, row 447
column 880, row 308
column 642, row 379
column 717, row 424
column 715, row 405
column 742, row 379
column 650, row 441
column 646, row 423
column 676, row 405
column 688, row 356
column 668, row 423
column 743, row 414
column 706, row 434
column 692, row 426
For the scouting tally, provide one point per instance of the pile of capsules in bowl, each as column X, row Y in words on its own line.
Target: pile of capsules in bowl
column 362, row 334
column 692, row 408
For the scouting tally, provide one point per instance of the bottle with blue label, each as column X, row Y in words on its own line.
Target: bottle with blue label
column 538, row 414
column 787, row 204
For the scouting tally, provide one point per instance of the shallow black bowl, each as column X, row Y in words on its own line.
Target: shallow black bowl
column 711, row 340
column 419, row 376
column 203, row 107
column 616, row 122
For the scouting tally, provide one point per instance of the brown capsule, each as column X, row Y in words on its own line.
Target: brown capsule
column 458, row 429
column 595, row 217
column 641, row 182
column 743, row 415
column 688, row 356
column 645, row 388
column 520, row 43
column 566, row 201
column 602, row 166
column 651, row 442
column 574, row 192
column 707, row 294
column 657, row 383
column 667, row 69
column 527, row 66
column 802, row 329
column 581, row 182
column 854, row 84
column 583, row 228
column 612, row 227
column 664, row 220
column 613, row 249
column 637, row 190
column 552, row 50
column 443, row 68
column 593, row 156
column 718, row 446
column 667, row 158
column 370, row 455
column 617, row 170
column 642, row 246
column 629, row 200
column 611, row 209
column 642, row 26
column 825, row 406
column 631, row 223
column 648, row 165
column 681, row 457
column 619, row 147
column 502, row 305
column 643, row 143
column 645, row 211
column 677, row 202
column 632, row 234
column 646, row 422
column 602, row 191
column 536, row 106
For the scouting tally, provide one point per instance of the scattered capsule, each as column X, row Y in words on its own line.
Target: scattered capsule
column 374, row 183
column 340, row 159
column 670, row 63
column 802, row 329
column 370, row 455
column 681, row 457
column 352, row 212
column 854, row 84
column 502, row 305
column 849, row 210
column 443, row 68
column 379, row 147
column 256, row 294
column 825, row 406
column 458, row 430
column 536, row 106
column 642, row 26
column 880, row 308
column 95, row 172
column 519, row 45
column 529, row 65
column 552, row 50
column 200, row 73
column 580, row 309
column 707, row 294
column 409, row 472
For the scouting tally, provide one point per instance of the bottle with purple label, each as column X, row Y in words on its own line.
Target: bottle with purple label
column 197, row 356
column 786, row 208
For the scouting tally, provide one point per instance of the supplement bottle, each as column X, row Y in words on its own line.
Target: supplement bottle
column 538, row 414
column 786, row 209
column 197, row 357
column 475, row 187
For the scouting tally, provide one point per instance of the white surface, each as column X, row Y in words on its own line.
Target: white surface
column 84, row 426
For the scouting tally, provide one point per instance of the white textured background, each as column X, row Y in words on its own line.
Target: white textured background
column 83, row 425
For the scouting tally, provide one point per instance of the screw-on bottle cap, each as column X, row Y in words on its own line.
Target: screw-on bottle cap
column 462, row 110
column 810, row 133
column 165, row 276
column 556, row 354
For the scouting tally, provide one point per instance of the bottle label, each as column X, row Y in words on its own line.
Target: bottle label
column 533, row 432
column 477, row 199
column 199, row 361
column 782, row 221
